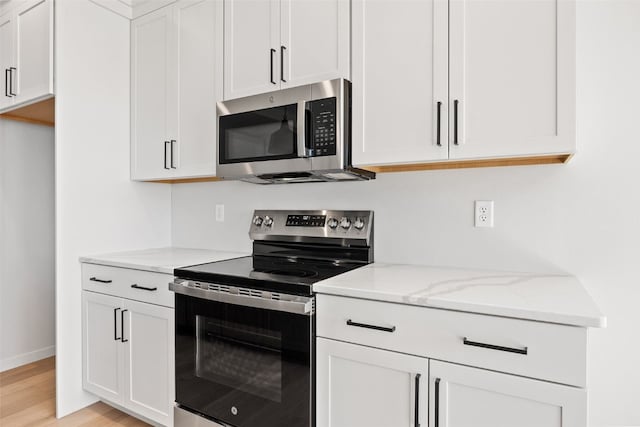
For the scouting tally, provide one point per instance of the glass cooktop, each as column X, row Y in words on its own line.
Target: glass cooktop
column 288, row 275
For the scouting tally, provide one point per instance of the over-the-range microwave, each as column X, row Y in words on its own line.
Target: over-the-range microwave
column 299, row 134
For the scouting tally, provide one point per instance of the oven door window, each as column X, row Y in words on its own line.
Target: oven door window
column 245, row 366
column 241, row 357
column 269, row 134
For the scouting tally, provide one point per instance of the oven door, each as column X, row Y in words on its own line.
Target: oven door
column 245, row 366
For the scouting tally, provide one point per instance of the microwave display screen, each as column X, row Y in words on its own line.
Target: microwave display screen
column 267, row 134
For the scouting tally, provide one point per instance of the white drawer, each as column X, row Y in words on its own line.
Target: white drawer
column 145, row 286
column 553, row 352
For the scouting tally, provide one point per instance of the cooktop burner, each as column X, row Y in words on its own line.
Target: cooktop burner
column 292, row 250
column 267, row 273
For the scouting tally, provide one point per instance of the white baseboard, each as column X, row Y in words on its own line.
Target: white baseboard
column 23, row 359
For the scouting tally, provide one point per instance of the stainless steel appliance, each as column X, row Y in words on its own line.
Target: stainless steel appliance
column 245, row 327
column 300, row 134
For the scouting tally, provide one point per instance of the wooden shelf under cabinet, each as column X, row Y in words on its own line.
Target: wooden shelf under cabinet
column 41, row 113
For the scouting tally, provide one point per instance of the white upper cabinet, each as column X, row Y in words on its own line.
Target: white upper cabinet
column 34, row 52
column 272, row 44
column 26, row 52
column 198, row 86
column 251, row 47
column 150, row 90
column 361, row 386
column 7, row 24
column 461, row 396
column 512, row 73
column 399, row 81
column 176, row 75
column 503, row 71
column 315, row 41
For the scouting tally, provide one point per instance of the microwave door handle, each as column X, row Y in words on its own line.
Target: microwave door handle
column 302, row 129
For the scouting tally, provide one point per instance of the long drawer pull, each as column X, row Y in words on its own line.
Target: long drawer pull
column 144, row 288
column 377, row 328
column 122, row 326
column 115, row 324
column 436, row 404
column 416, row 415
column 95, row 279
column 524, row 351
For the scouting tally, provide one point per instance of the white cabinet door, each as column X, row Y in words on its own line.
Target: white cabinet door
column 251, row 47
column 399, row 79
column 512, row 71
column 199, row 85
column 6, row 58
column 315, row 41
column 149, row 342
column 461, row 396
column 151, row 106
column 101, row 347
column 360, row 386
column 34, row 53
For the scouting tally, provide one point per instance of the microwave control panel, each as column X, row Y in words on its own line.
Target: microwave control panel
column 323, row 126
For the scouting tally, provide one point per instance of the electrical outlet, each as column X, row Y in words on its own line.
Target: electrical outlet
column 220, row 213
column 484, row 213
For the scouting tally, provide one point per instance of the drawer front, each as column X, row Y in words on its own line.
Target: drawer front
column 144, row 286
column 533, row 349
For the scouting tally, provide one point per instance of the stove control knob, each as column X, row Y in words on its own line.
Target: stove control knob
column 268, row 221
column 359, row 224
column 345, row 223
column 332, row 223
column 257, row 220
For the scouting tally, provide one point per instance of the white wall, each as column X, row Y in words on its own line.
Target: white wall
column 27, row 280
column 582, row 218
column 98, row 209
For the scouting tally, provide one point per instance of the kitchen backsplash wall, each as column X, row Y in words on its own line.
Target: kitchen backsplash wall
column 581, row 218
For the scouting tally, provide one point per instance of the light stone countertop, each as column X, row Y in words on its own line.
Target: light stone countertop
column 161, row 260
column 547, row 298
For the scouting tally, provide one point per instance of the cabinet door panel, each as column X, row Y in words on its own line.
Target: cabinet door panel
column 6, row 57
column 199, row 85
column 102, row 353
column 149, row 360
column 316, row 35
column 360, row 386
column 513, row 73
column 34, row 54
column 151, row 106
column 399, row 76
column 251, row 30
column 472, row 397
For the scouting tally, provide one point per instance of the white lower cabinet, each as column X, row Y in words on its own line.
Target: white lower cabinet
column 101, row 348
column 359, row 386
column 373, row 358
column 469, row 397
column 128, row 351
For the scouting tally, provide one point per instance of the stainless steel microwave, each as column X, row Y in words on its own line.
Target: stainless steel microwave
column 299, row 134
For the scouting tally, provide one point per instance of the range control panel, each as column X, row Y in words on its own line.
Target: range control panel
column 323, row 126
column 296, row 225
column 306, row 220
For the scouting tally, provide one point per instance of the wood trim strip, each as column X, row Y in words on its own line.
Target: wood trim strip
column 188, row 180
column 40, row 113
column 462, row 164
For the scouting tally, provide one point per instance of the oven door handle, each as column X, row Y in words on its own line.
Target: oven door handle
column 288, row 303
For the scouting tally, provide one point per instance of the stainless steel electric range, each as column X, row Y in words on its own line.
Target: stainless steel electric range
column 245, row 327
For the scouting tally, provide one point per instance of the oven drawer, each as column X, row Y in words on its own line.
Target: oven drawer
column 534, row 349
column 145, row 286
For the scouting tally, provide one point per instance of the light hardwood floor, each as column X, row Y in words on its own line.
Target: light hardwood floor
column 28, row 398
